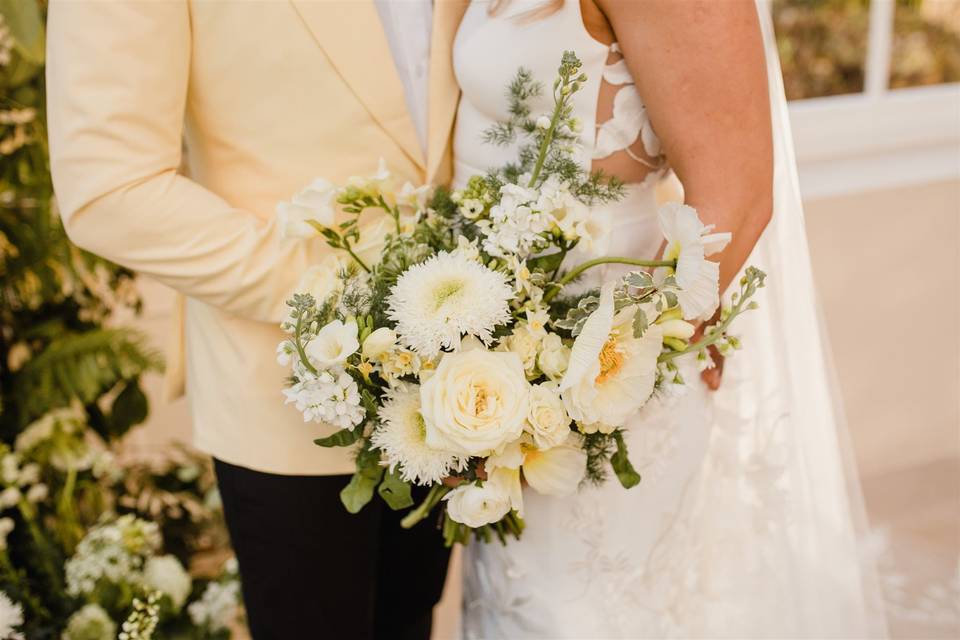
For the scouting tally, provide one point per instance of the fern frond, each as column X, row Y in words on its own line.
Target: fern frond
column 82, row 366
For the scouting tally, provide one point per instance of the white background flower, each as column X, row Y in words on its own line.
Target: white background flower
column 167, row 575
column 11, row 617
column 475, row 402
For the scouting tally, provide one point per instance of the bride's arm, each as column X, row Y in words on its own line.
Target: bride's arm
column 700, row 67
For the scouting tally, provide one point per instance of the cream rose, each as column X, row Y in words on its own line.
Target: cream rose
column 475, row 402
column 476, row 506
column 547, row 420
column 554, row 356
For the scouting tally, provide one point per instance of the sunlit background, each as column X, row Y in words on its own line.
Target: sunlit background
column 876, row 118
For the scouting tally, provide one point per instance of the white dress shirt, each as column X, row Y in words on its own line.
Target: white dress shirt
column 407, row 24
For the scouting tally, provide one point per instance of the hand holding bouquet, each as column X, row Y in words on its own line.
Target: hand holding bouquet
column 442, row 342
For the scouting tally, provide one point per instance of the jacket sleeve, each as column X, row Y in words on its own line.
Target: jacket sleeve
column 117, row 76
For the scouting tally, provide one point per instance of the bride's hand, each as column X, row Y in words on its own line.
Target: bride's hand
column 712, row 376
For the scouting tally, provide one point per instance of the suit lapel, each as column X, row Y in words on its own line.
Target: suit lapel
column 352, row 36
column 444, row 91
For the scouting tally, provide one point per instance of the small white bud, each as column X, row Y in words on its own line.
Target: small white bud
column 543, row 122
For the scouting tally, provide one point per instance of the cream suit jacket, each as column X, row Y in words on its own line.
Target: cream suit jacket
column 264, row 96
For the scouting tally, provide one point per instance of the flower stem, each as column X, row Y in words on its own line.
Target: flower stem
column 360, row 262
column 547, row 141
column 437, row 492
column 574, row 273
column 299, row 345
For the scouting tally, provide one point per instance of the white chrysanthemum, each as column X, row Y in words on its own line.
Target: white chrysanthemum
column 689, row 241
column 11, row 617
column 434, row 303
column 402, row 440
column 90, row 623
column 167, row 575
column 330, row 397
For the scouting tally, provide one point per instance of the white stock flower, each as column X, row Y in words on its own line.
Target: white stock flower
column 547, row 419
column 556, row 471
column 91, row 622
column 401, row 438
column 11, row 617
column 515, row 226
column 6, row 526
column 314, row 203
column 554, row 356
column 378, row 342
column 689, row 241
column 475, row 402
column 37, row 493
column 334, row 343
column 437, row 301
column 565, row 209
column 611, row 373
column 328, row 398
column 476, row 506
column 167, row 575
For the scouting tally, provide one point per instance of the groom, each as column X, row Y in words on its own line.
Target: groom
column 263, row 97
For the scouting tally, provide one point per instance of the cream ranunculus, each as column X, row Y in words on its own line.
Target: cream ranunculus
column 475, row 402
column 547, row 420
column 554, row 356
column 333, row 344
column 611, row 373
column 380, row 341
column 314, row 203
column 476, row 506
column 557, row 471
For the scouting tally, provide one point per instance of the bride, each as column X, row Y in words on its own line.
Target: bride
column 745, row 523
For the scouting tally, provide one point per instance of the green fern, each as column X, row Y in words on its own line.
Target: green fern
column 82, row 366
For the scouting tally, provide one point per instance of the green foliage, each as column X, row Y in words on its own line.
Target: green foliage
column 625, row 472
column 395, row 492
column 359, row 491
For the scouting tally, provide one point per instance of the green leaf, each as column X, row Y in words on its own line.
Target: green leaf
column 341, row 438
column 26, row 26
column 395, row 492
column 547, row 263
column 130, row 408
column 360, row 489
column 640, row 323
column 639, row 279
column 626, row 474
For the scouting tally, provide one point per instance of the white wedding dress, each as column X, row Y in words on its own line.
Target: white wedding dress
column 742, row 525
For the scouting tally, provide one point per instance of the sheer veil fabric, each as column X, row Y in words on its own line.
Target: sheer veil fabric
column 780, row 515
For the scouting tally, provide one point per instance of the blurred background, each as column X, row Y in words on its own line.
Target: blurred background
column 875, row 107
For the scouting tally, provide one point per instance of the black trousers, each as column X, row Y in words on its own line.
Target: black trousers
column 311, row 570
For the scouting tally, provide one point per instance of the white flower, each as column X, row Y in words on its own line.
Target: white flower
column 515, row 225
column 676, row 328
column 547, row 420
column 379, row 184
column 537, row 320
column 611, row 373
column 377, row 343
column 333, row 344
column 437, row 301
column 113, row 552
column 543, row 122
column 167, row 575
column 321, row 280
column 565, row 209
column 414, row 198
column 313, row 204
column 475, row 402
column 476, row 506
column 557, row 471
column 467, row 249
column 593, row 232
column 401, row 438
column 217, row 607
column 525, row 344
column 396, row 363
column 554, row 356
column 373, row 237
column 90, row 623
column 6, row 526
column 9, row 497
column 689, row 241
column 37, row 493
column 11, row 617
column 334, row 400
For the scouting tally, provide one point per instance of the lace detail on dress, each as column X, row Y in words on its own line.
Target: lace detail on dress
column 629, row 120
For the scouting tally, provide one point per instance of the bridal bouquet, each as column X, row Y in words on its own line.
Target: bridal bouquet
column 442, row 341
